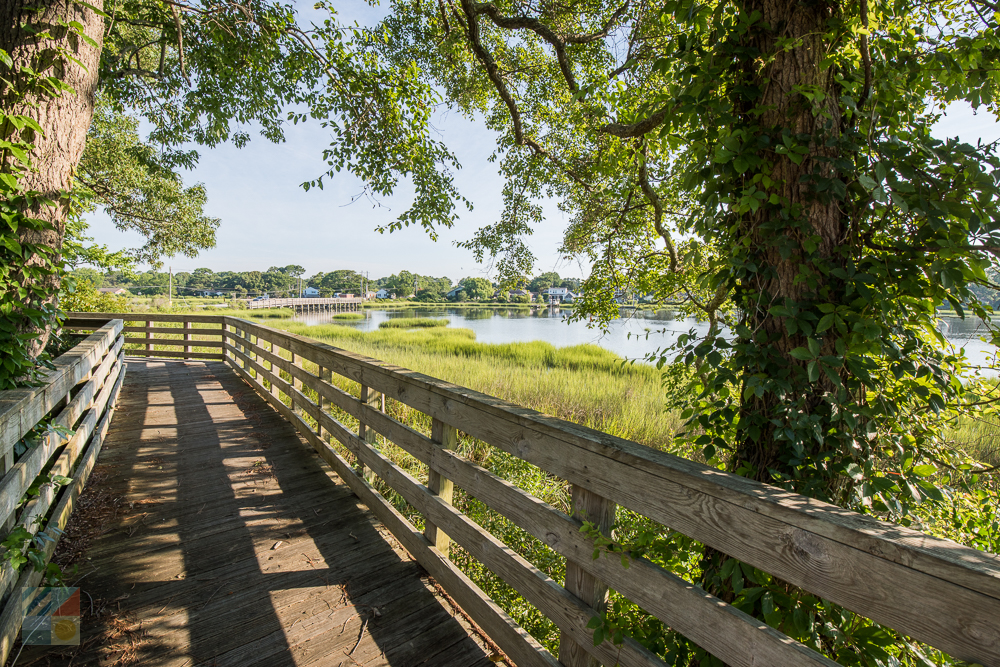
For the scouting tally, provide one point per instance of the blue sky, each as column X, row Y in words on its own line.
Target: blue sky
column 268, row 220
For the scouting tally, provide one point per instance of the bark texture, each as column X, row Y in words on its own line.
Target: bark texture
column 64, row 118
column 779, row 237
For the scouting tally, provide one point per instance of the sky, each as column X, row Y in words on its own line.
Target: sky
column 269, row 220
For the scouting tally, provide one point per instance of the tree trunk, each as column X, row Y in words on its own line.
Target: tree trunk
column 794, row 244
column 64, row 118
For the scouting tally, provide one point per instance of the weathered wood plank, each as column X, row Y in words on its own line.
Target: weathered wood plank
column 517, row 643
column 38, row 507
column 568, row 612
column 17, row 480
column 446, row 437
column 214, row 332
column 72, row 318
column 12, row 614
column 293, row 560
column 174, row 342
column 587, row 507
column 22, row 409
column 173, row 354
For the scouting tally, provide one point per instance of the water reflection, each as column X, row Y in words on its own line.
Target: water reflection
column 637, row 335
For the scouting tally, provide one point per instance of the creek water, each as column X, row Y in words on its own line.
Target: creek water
column 636, row 335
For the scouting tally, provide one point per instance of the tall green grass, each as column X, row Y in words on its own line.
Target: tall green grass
column 978, row 437
column 255, row 314
column 584, row 384
column 413, row 323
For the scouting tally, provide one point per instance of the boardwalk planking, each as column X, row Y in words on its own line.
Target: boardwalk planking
column 235, row 546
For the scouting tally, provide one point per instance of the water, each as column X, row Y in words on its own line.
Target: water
column 966, row 334
column 638, row 334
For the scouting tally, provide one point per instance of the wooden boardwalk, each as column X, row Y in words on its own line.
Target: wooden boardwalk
column 212, row 535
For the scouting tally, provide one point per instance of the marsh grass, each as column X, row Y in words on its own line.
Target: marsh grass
column 413, row 323
column 348, row 316
column 256, row 314
column 584, row 384
column 978, row 437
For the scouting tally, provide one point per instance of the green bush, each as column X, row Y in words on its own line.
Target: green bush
column 82, row 297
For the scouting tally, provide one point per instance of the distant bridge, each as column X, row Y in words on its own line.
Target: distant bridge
column 341, row 304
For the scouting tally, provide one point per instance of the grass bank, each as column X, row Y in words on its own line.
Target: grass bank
column 413, row 323
column 584, row 383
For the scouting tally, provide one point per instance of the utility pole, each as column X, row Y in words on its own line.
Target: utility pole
column 170, row 288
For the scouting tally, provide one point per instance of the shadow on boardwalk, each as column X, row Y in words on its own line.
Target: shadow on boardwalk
column 212, row 535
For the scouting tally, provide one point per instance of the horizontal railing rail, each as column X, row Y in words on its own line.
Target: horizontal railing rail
column 52, row 430
column 936, row 591
column 295, row 302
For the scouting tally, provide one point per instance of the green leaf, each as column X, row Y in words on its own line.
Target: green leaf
column 867, row 182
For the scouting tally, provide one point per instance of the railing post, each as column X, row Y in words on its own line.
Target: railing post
column 187, row 337
column 445, row 437
column 326, row 376
column 370, row 398
column 296, row 383
column 587, row 506
column 274, row 372
column 253, row 340
column 243, row 349
column 149, row 334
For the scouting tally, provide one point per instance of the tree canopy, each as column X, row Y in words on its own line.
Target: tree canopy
column 196, row 71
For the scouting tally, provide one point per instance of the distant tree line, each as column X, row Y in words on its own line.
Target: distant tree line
column 279, row 281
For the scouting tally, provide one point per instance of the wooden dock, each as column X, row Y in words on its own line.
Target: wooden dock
column 230, row 544
column 226, row 522
column 309, row 304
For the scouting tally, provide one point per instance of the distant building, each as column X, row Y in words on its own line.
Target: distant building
column 382, row 294
column 558, row 295
column 453, row 291
column 310, row 292
column 118, row 291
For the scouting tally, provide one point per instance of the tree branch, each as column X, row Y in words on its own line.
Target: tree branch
column 558, row 42
column 636, row 129
column 180, row 41
column 654, row 199
column 493, row 72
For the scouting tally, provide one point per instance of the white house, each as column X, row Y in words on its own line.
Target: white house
column 382, row 294
column 558, row 294
column 310, row 292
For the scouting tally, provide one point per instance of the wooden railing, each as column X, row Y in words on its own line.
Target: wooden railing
column 935, row 591
column 157, row 335
column 55, row 429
